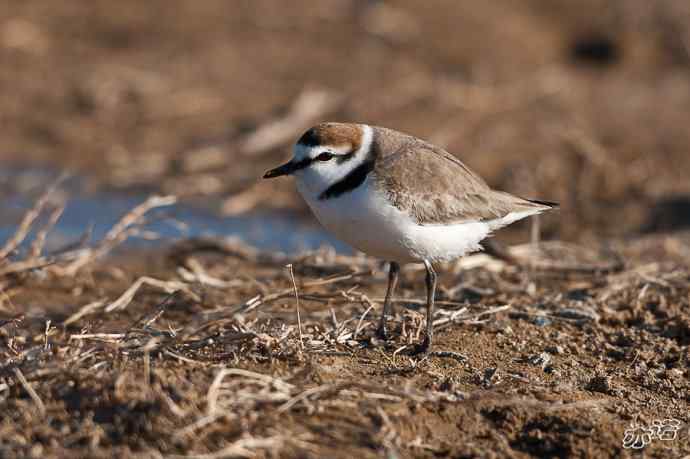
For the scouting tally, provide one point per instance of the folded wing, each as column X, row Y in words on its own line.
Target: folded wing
column 436, row 188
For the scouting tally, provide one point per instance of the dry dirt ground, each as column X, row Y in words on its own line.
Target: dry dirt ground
column 207, row 357
column 586, row 103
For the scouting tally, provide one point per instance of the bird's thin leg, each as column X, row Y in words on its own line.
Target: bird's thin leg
column 430, row 293
column 393, row 272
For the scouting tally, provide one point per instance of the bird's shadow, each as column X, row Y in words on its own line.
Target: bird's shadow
column 668, row 214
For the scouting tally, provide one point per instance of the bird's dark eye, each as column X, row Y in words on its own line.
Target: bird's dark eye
column 325, row 156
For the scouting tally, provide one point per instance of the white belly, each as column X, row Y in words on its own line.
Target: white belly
column 364, row 219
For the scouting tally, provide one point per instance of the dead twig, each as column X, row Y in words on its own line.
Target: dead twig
column 30, row 390
column 40, row 239
column 166, row 286
column 120, row 232
column 299, row 320
column 87, row 309
column 245, row 447
column 28, row 220
column 310, row 105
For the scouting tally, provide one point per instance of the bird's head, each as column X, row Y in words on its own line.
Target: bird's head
column 326, row 154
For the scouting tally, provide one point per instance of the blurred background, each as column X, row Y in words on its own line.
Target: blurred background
column 586, row 103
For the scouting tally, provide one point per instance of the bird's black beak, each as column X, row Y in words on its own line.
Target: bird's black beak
column 286, row 169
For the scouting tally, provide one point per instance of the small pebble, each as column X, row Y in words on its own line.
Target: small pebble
column 556, row 350
column 600, row 384
column 541, row 321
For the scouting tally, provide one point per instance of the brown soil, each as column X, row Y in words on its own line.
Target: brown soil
column 536, row 363
column 586, row 103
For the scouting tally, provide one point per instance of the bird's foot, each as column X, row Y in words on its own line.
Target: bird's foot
column 422, row 348
column 382, row 333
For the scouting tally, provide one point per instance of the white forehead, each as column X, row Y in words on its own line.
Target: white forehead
column 301, row 151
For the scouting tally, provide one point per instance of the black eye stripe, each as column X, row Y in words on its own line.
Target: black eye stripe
column 346, row 157
column 324, row 156
column 302, row 164
column 306, row 162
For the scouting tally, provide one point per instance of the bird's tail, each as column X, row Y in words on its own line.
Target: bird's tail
column 551, row 204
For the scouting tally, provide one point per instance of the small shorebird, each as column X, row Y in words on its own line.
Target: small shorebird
column 399, row 198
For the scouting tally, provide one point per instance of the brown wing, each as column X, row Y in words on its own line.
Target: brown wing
column 437, row 188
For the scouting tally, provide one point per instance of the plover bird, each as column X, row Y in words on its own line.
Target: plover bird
column 398, row 198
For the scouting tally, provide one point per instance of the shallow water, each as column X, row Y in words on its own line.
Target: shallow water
column 101, row 210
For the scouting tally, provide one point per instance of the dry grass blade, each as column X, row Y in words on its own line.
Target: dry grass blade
column 25, row 265
column 107, row 337
column 40, row 239
column 460, row 316
column 263, row 299
column 551, row 257
column 361, row 319
column 215, row 388
column 309, row 106
column 213, row 391
column 28, row 220
column 166, row 286
column 30, row 390
column 85, row 310
column 119, row 232
column 299, row 320
column 245, row 447
column 303, row 396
